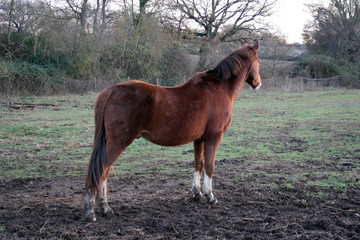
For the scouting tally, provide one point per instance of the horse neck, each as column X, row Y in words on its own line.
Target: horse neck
column 235, row 84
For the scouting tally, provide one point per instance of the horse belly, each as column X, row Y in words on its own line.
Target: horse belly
column 172, row 136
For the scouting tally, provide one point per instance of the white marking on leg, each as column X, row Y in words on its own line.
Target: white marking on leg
column 89, row 204
column 104, row 191
column 207, row 186
column 104, row 200
column 207, row 190
column 196, row 182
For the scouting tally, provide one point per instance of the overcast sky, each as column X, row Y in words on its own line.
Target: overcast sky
column 291, row 16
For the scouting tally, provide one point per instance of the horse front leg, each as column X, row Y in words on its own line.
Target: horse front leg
column 199, row 166
column 211, row 145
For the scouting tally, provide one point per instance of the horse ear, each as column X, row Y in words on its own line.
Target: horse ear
column 256, row 46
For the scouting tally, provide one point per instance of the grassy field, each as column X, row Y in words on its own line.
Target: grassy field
column 286, row 132
column 288, row 167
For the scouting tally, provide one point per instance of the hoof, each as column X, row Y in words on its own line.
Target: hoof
column 108, row 211
column 90, row 216
column 211, row 199
column 197, row 197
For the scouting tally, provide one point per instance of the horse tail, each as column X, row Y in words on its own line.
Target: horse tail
column 97, row 159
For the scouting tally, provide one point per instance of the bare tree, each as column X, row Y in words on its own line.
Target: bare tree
column 223, row 19
column 21, row 15
column 100, row 18
column 274, row 48
column 81, row 12
column 335, row 29
column 24, row 20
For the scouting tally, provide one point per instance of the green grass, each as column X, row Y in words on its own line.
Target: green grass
column 310, row 138
column 309, row 131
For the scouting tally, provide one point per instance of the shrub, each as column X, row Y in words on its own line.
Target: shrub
column 139, row 48
column 24, row 77
column 175, row 66
column 321, row 66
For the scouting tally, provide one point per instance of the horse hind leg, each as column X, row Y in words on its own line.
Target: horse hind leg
column 199, row 166
column 103, row 200
column 89, row 204
column 92, row 199
column 112, row 154
column 121, row 131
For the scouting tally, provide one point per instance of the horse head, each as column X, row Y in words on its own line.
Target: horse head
column 253, row 77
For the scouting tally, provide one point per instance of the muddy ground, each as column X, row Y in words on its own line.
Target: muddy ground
column 150, row 206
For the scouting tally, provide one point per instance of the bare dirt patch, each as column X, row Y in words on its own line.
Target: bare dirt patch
column 160, row 207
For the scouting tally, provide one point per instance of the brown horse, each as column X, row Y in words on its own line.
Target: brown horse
column 198, row 111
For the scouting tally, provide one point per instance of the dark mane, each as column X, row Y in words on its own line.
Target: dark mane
column 230, row 66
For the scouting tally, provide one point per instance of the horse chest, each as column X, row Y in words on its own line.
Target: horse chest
column 221, row 115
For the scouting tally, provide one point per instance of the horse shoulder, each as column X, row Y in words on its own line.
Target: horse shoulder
column 220, row 114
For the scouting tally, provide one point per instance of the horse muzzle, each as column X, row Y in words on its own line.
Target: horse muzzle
column 258, row 87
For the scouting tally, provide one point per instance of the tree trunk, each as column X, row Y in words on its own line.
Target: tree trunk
column 142, row 12
column 103, row 21
column 96, row 15
column 10, row 20
column 142, row 6
column 83, row 16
